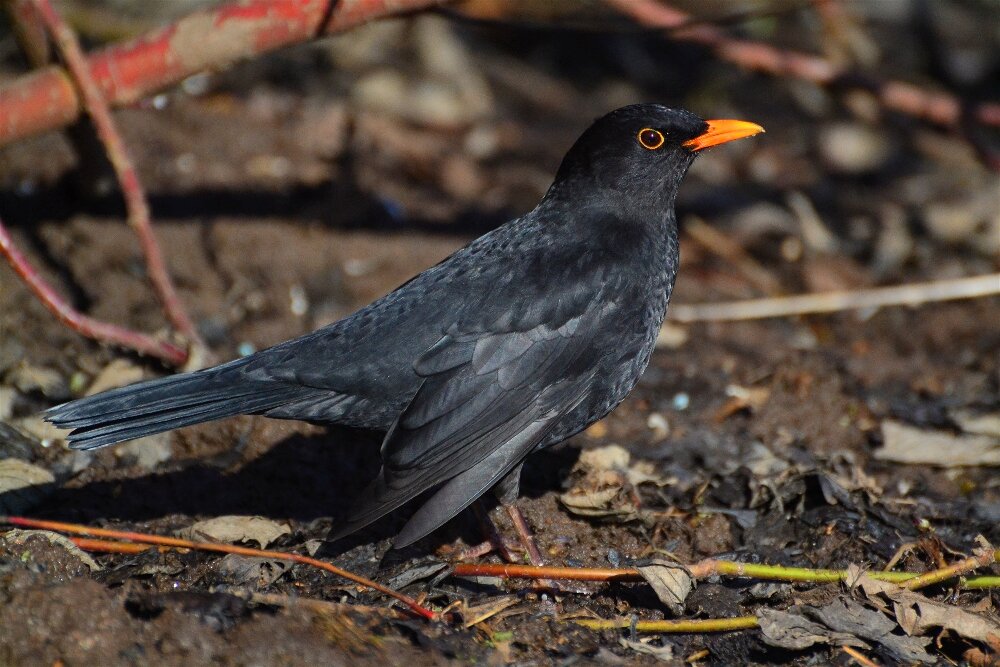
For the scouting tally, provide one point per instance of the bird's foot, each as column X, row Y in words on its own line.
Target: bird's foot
column 525, row 534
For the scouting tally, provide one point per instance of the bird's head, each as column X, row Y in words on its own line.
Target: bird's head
column 642, row 152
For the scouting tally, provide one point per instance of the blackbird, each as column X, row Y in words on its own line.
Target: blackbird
column 516, row 342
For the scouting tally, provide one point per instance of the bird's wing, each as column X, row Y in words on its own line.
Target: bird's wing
column 487, row 397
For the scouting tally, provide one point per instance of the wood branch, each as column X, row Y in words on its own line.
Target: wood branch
column 913, row 294
column 936, row 107
column 132, row 190
column 211, row 39
column 72, row 318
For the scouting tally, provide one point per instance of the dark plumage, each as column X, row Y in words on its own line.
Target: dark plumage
column 516, row 342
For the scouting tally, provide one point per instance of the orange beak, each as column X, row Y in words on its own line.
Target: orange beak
column 722, row 131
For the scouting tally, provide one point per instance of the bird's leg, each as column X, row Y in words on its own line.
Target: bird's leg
column 524, row 532
column 507, row 492
column 494, row 540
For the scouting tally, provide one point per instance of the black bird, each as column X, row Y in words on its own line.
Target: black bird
column 516, row 342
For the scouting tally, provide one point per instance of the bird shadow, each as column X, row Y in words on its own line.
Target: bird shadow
column 304, row 477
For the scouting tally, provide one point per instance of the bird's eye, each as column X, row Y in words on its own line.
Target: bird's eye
column 650, row 138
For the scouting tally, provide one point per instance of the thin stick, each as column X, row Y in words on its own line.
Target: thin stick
column 207, row 40
column 135, row 198
column 29, row 30
column 859, row 657
column 76, row 529
column 963, row 566
column 693, row 626
column 75, row 320
column 701, row 570
column 913, row 294
column 312, row 604
column 936, row 107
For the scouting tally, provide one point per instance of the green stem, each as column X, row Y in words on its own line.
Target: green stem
column 698, row 625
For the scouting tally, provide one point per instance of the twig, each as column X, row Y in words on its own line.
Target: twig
column 176, row 542
column 987, row 557
column 701, row 570
column 693, row 626
column 936, row 107
column 72, row 318
column 210, row 39
column 135, row 199
column 725, row 247
column 312, row 604
column 913, row 294
column 29, row 30
column 859, row 657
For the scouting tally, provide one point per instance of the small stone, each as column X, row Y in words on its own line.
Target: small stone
column 28, row 378
column 7, row 397
column 853, row 148
column 298, row 301
column 147, row 452
column 118, row 373
column 672, row 336
column 658, row 424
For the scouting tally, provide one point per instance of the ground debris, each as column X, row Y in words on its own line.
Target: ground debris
column 20, row 538
column 23, row 485
column 918, row 614
column 606, row 481
column 791, row 629
column 237, row 529
column 907, row 444
column 671, row 582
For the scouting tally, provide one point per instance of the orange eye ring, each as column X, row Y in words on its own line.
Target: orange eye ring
column 650, row 139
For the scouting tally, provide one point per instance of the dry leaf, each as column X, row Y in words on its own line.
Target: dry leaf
column 663, row 653
column 847, row 616
column 604, row 476
column 16, row 536
column 790, row 629
column 980, row 424
column 237, row 529
column 917, row 613
column 23, row 485
column 595, row 502
column 671, row 582
column 250, row 571
column 482, row 612
column 908, row 444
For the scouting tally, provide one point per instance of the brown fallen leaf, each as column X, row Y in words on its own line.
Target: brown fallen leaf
column 671, row 582
column 790, row 629
column 741, row 398
column 605, row 483
column 918, row 614
column 663, row 653
column 17, row 537
column 23, row 485
column 908, row 444
column 248, row 571
column 237, row 529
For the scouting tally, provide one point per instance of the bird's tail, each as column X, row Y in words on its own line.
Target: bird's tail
column 167, row 403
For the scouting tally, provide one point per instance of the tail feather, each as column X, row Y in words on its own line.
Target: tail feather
column 168, row 403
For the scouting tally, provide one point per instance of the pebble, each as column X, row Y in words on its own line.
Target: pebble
column 298, row 301
column 28, row 378
column 853, row 148
column 658, row 424
column 681, row 401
